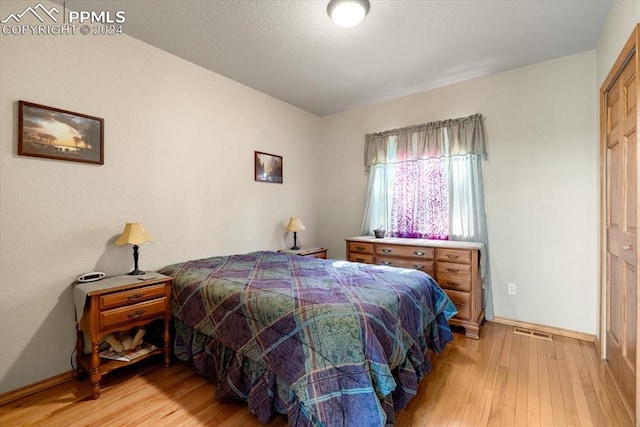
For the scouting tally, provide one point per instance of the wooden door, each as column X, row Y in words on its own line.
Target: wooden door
column 619, row 98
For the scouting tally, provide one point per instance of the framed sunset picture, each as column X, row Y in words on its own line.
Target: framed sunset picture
column 53, row 133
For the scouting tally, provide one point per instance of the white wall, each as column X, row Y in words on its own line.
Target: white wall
column 623, row 17
column 179, row 147
column 540, row 181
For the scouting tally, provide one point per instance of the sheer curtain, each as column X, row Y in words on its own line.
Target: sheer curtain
column 420, row 200
column 468, row 220
column 429, row 177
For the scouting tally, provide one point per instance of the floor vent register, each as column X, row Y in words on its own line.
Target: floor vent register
column 533, row 334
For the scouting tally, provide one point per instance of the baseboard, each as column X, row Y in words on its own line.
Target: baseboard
column 548, row 329
column 21, row 392
column 598, row 344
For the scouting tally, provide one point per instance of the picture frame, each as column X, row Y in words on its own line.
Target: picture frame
column 53, row 133
column 268, row 167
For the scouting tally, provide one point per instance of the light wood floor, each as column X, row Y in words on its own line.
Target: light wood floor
column 503, row 379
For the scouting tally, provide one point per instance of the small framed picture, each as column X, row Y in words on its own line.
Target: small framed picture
column 59, row 134
column 268, row 167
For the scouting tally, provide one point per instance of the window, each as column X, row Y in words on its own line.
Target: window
column 426, row 182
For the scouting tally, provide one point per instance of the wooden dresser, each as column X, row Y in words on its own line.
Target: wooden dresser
column 454, row 265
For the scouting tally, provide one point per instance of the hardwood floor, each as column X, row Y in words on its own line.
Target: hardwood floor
column 503, row 379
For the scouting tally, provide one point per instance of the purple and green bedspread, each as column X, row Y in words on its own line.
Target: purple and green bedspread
column 329, row 343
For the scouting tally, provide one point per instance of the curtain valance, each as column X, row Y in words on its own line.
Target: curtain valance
column 465, row 135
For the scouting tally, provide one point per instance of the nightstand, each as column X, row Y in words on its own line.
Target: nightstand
column 117, row 304
column 314, row 252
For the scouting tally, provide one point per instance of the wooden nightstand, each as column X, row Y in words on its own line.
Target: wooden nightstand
column 314, row 252
column 117, row 304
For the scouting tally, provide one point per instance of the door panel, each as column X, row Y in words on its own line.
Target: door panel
column 631, row 224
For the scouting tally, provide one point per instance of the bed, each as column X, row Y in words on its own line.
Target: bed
column 328, row 343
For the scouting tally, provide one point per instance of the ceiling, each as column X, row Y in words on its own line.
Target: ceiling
column 292, row 51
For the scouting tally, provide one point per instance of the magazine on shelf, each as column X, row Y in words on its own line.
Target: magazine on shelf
column 128, row 355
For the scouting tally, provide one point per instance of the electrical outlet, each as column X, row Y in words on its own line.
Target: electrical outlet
column 511, row 288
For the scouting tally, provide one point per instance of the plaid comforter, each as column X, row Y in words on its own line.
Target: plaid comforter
column 329, row 343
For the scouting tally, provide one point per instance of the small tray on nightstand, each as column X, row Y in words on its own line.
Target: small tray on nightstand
column 314, row 252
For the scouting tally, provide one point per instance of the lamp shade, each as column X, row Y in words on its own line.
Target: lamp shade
column 347, row 13
column 134, row 234
column 295, row 225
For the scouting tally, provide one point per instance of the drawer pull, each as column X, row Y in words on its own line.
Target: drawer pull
column 453, row 284
column 419, row 253
column 360, row 259
column 419, row 267
column 135, row 297
column 458, row 304
column 387, row 250
column 453, row 270
column 136, row 313
column 452, row 256
column 386, row 262
column 360, row 248
column 627, row 247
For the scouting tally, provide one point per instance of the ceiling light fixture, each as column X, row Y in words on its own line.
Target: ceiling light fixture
column 347, row 13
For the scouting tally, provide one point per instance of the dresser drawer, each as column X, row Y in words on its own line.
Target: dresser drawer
column 452, row 268
column 119, row 299
column 416, row 264
column 366, row 258
column 131, row 313
column 454, row 281
column 405, row 251
column 453, row 255
column 462, row 301
column 454, row 276
column 361, row 248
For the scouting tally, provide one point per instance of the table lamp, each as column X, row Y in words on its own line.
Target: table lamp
column 134, row 234
column 295, row 225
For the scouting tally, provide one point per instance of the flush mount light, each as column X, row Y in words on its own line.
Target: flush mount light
column 347, row 13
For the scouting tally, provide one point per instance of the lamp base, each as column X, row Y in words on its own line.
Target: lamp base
column 295, row 242
column 135, row 271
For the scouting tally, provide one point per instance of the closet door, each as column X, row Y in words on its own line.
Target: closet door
column 621, row 216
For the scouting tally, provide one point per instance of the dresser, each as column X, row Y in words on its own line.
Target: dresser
column 454, row 265
column 117, row 304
